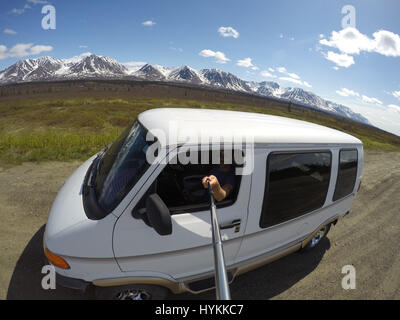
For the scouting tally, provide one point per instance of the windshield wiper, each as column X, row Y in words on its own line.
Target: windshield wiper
column 95, row 167
column 101, row 157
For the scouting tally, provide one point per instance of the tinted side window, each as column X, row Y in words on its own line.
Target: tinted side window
column 347, row 173
column 296, row 183
column 180, row 187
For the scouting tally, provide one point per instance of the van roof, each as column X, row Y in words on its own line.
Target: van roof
column 176, row 124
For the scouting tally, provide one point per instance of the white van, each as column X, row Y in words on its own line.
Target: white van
column 304, row 177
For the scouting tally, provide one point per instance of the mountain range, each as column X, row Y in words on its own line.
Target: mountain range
column 91, row 66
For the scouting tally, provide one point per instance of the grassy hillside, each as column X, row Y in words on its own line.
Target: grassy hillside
column 76, row 128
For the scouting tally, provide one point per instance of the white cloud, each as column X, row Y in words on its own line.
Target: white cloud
column 228, row 32
column 349, row 41
column 396, row 94
column 75, row 59
column 336, row 68
column 394, row 107
column 3, row 52
column 270, row 69
column 22, row 49
column 344, row 92
column 218, row 55
column 289, row 79
column 148, row 23
column 38, row 1
column 352, row 41
column 267, row 74
column 21, row 11
column 296, row 81
column 9, row 31
column 176, row 49
column 347, row 92
column 321, row 35
column 293, row 75
column 375, row 113
column 342, row 60
column 387, row 43
column 83, row 47
column 371, row 100
column 281, row 36
column 39, row 49
column 246, row 62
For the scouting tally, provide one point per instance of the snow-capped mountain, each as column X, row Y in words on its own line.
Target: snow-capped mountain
column 268, row 88
column 347, row 112
column 48, row 68
column 91, row 66
column 302, row 96
column 97, row 65
column 307, row 98
column 225, row 80
column 151, row 72
column 186, row 74
column 31, row 69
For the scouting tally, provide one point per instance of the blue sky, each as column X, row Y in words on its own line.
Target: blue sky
column 295, row 43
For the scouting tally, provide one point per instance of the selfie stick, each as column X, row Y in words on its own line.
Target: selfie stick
column 221, row 278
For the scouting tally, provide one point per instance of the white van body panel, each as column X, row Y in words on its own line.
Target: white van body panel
column 188, row 250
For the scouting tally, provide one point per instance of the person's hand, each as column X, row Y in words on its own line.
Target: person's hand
column 213, row 181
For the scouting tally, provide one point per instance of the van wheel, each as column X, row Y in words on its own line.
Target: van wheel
column 131, row 292
column 317, row 238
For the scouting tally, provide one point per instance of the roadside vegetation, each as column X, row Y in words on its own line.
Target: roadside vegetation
column 76, row 128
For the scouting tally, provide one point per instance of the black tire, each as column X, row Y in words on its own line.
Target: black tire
column 317, row 238
column 132, row 292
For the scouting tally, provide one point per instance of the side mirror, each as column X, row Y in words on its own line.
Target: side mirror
column 158, row 214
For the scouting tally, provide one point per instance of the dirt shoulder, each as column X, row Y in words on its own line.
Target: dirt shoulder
column 367, row 238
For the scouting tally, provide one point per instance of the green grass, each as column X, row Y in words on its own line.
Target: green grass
column 76, row 128
column 52, row 145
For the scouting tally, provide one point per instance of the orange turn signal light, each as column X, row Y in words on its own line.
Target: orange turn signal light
column 55, row 259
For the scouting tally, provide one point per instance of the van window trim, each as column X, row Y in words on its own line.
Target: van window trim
column 337, row 175
column 299, row 151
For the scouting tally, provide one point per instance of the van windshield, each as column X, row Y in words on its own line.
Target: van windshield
column 121, row 166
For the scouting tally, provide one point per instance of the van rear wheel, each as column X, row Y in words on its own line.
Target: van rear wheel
column 317, row 238
column 131, row 292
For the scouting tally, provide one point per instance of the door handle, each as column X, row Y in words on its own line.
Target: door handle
column 234, row 224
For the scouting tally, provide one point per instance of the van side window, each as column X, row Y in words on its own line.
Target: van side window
column 347, row 173
column 296, row 183
column 179, row 185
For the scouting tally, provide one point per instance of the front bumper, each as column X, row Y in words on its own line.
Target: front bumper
column 72, row 283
